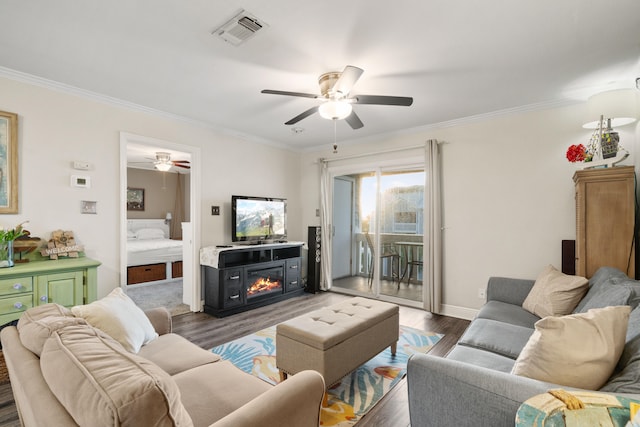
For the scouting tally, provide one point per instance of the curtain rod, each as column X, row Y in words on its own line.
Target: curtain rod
column 353, row 156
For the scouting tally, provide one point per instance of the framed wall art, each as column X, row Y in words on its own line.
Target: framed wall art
column 135, row 199
column 8, row 163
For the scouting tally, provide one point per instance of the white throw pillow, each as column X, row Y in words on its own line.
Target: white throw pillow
column 555, row 293
column 149, row 234
column 579, row 350
column 119, row 317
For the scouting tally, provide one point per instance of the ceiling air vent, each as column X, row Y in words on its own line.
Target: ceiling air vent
column 240, row 28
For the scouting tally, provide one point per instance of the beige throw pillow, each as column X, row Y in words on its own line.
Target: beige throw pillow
column 119, row 317
column 555, row 293
column 578, row 350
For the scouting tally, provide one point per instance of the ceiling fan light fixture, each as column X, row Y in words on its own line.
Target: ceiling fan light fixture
column 335, row 110
column 164, row 167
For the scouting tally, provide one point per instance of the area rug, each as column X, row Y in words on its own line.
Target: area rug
column 167, row 294
column 349, row 400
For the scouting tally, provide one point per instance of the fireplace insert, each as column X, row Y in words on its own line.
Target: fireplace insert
column 261, row 282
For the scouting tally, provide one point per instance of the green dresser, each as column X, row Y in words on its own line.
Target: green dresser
column 68, row 282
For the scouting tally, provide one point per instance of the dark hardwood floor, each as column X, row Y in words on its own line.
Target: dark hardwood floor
column 208, row 331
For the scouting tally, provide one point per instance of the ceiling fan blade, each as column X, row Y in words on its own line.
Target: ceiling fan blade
column 303, row 115
column 348, row 78
column 383, row 100
column 354, row 121
column 182, row 166
column 282, row 92
column 175, row 162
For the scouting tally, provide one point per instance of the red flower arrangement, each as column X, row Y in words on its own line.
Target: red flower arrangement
column 577, row 153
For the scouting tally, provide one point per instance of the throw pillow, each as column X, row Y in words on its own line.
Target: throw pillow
column 149, row 234
column 601, row 278
column 578, row 350
column 628, row 379
column 119, row 317
column 555, row 293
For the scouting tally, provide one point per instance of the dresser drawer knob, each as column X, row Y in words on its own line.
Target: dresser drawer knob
column 17, row 286
column 44, row 298
column 18, row 305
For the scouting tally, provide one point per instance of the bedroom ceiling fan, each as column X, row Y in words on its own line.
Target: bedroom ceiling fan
column 336, row 103
column 163, row 162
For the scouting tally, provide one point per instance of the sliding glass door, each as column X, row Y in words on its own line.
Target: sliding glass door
column 378, row 233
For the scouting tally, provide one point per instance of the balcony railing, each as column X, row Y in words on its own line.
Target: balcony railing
column 389, row 242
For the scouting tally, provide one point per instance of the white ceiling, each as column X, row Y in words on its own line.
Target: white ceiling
column 457, row 59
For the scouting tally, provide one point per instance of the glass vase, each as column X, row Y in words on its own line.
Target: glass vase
column 6, row 254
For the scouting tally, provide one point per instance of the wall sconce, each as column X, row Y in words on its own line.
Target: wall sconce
column 168, row 218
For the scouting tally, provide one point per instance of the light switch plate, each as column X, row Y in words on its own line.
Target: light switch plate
column 215, row 210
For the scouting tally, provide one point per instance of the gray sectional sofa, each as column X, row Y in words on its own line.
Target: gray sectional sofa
column 473, row 385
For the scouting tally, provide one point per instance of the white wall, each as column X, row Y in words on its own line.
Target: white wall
column 508, row 189
column 508, row 194
column 56, row 128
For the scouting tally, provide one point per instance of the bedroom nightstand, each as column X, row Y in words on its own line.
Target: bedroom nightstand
column 68, row 282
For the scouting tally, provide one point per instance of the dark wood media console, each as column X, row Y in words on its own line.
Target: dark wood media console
column 247, row 277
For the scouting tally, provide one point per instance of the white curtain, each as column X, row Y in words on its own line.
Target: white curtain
column 325, row 223
column 433, row 228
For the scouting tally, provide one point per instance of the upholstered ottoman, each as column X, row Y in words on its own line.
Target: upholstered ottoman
column 335, row 340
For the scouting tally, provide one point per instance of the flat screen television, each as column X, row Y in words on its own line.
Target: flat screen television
column 257, row 219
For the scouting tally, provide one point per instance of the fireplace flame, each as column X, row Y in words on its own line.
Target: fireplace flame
column 263, row 284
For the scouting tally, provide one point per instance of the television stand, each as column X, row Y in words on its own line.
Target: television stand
column 240, row 278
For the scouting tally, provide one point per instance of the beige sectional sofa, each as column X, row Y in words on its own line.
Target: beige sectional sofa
column 65, row 371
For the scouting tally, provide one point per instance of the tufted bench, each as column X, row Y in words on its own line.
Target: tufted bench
column 335, row 340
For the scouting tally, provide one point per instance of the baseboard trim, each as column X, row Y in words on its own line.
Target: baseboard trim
column 459, row 312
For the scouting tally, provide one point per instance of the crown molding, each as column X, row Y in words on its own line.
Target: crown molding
column 116, row 102
column 109, row 100
column 455, row 122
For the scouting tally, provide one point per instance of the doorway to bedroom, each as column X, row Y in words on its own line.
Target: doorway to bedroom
column 158, row 231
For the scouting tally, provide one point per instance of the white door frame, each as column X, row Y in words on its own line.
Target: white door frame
column 378, row 167
column 191, row 294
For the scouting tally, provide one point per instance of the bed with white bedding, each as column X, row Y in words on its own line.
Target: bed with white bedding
column 148, row 244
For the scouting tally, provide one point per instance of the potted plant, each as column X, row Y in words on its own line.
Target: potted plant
column 6, row 243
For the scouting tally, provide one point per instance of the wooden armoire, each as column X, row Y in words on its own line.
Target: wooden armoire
column 605, row 220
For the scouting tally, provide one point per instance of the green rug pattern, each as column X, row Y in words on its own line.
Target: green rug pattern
column 349, row 400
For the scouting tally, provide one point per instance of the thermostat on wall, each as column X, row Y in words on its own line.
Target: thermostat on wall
column 80, row 181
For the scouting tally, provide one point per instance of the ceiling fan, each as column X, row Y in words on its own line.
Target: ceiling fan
column 163, row 162
column 336, row 103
